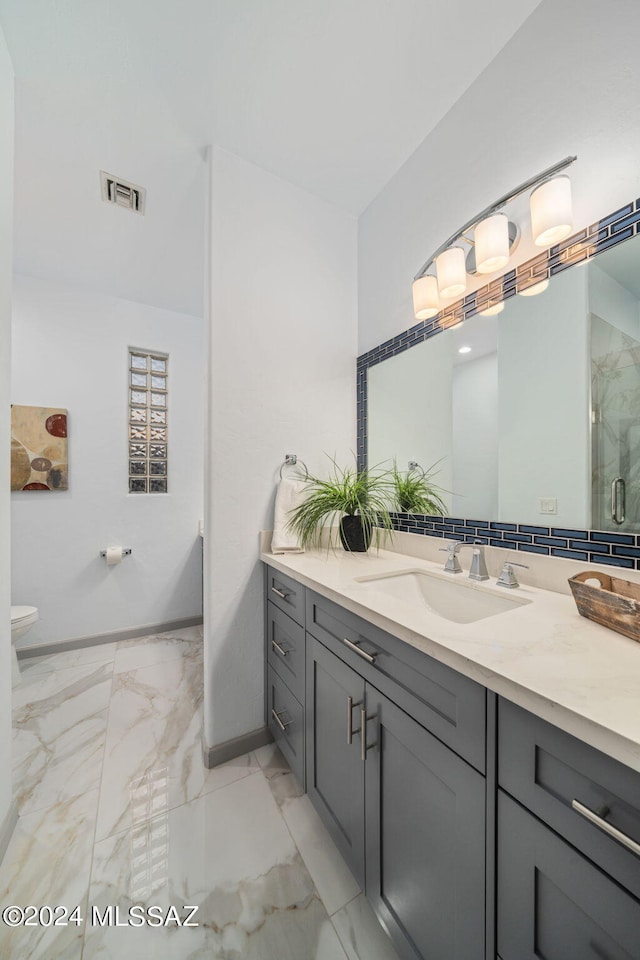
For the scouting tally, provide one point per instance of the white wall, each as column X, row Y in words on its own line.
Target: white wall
column 70, row 350
column 475, row 438
column 566, row 83
column 612, row 302
column 282, row 380
column 409, row 413
column 6, row 266
column 543, row 381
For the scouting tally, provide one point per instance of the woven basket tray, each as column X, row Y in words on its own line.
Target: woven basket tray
column 614, row 604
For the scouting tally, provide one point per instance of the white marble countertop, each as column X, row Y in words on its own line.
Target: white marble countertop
column 543, row 656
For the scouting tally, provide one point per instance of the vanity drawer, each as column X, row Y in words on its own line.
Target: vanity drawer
column 547, row 770
column 285, row 649
column 286, row 594
column 286, row 723
column 554, row 903
column 450, row 706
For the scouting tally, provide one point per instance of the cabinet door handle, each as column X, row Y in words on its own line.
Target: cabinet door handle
column 276, row 717
column 606, row 827
column 369, row 657
column 350, row 730
column 276, row 646
column 279, row 593
column 364, row 746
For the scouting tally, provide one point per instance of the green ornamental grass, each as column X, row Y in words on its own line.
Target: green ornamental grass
column 367, row 494
column 416, row 492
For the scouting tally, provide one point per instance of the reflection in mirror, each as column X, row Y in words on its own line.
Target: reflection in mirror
column 533, row 415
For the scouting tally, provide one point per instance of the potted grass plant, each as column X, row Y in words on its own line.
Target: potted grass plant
column 360, row 498
column 416, row 492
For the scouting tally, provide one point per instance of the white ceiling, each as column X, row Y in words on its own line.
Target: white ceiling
column 332, row 95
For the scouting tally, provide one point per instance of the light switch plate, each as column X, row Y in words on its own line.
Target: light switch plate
column 548, row 505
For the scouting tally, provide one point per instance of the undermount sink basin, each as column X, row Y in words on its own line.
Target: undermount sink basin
column 447, row 596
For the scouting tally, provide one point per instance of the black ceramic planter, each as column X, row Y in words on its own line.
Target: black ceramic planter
column 353, row 536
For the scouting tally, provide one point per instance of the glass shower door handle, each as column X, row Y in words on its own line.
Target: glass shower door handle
column 618, row 497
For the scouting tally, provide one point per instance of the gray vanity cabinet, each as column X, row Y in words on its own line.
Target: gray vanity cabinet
column 406, row 812
column 286, row 593
column 425, row 838
column 285, row 667
column 568, row 846
column 335, row 772
column 286, row 723
column 477, row 832
column 553, row 903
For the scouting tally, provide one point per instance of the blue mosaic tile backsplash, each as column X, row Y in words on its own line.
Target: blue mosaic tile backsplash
column 592, row 546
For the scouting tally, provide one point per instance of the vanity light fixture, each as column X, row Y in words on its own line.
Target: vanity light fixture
column 492, row 243
column 495, row 238
column 451, row 273
column 551, row 211
column 426, row 303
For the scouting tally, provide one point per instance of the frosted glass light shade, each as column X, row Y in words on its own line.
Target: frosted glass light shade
column 492, row 243
column 493, row 310
column 551, row 211
column 534, row 289
column 451, row 272
column 426, row 303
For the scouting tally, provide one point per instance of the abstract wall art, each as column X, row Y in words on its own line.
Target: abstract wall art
column 39, row 457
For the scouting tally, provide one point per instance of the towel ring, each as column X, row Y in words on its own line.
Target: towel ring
column 291, row 460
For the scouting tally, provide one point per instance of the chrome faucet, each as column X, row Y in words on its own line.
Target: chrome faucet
column 478, row 569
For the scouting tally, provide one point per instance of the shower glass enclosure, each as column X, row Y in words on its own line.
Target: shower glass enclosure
column 615, row 428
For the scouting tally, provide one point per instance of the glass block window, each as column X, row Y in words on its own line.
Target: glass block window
column 148, row 412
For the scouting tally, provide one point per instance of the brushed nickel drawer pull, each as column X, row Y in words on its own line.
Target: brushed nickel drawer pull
column 369, row 657
column 276, row 646
column 279, row 593
column 363, row 733
column 350, row 730
column 606, row 827
column 276, row 717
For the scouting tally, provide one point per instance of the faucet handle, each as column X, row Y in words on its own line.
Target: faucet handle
column 452, row 547
column 507, row 576
column 453, row 564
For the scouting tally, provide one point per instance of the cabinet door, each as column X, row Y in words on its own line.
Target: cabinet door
column 425, row 838
column 548, row 771
column 286, row 723
column 285, row 649
column 552, row 902
column 286, row 593
column 449, row 705
column 335, row 771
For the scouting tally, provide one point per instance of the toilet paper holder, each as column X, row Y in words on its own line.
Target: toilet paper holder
column 126, row 552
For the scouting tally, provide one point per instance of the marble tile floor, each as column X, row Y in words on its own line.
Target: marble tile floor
column 117, row 810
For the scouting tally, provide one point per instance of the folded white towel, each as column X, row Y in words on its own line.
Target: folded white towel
column 289, row 495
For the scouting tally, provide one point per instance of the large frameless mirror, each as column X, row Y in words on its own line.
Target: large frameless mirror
column 532, row 416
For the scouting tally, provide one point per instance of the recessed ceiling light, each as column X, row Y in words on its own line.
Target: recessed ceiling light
column 464, row 350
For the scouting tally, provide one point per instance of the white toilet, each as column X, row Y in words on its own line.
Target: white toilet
column 22, row 619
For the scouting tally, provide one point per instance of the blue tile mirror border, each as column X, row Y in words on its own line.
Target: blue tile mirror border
column 593, row 546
